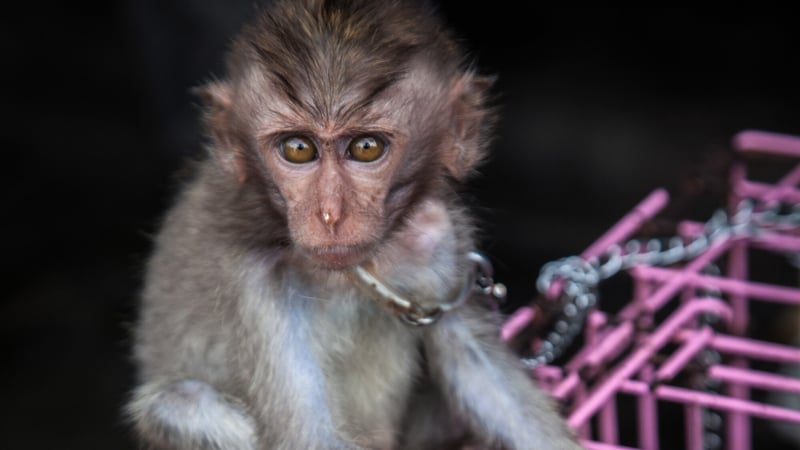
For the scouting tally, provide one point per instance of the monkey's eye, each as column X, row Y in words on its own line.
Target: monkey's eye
column 298, row 150
column 366, row 148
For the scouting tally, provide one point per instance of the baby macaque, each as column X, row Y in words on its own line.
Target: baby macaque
column 338, row 139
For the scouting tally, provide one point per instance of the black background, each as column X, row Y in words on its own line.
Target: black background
column 600, row 107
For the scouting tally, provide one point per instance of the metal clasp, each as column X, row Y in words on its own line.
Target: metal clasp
column 478, row 280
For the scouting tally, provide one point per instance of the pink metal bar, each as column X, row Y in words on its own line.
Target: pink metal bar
column 693, row 423
column 611, row 344
column 607, row 423
column 648, row 421
column 690, row 228
column 738, row 175
column 763, row 291
column 754, row 378
column 767, row 191
column 517, row 322
column 594, row 322
column 784, row 190
column 594, row 445
column 641, row 290
column 737, row 423
column 676, row 362
column 719, row 402
column 777, row 243
column 634, row 362
column 748, row 348
column 551, row 373
column 567, row 386
column 597, row 330
column 629, row 223
column 547, row 376
column 580, row 394
column 752, row 141
column 737, row 270
column 784, row 187
column 791, row 178
column 648, row 415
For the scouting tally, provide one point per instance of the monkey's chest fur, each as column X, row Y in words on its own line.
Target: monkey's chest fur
column 372, row 362
column 365, row 358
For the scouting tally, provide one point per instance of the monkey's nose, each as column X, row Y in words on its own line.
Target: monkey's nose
column 329, row 218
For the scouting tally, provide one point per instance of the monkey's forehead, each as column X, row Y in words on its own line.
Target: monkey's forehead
column 364, row 32
column 417, row 94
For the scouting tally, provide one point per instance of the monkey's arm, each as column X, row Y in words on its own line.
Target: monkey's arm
column 484, row 382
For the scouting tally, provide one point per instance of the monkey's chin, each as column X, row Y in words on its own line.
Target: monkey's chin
column 338, row 257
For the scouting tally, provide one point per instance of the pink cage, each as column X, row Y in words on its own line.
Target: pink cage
column 680, row 347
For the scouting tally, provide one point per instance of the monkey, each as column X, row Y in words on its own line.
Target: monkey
column 338, row 139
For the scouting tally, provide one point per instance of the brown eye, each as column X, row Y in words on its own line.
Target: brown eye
column 366, row 148
column 298, row 150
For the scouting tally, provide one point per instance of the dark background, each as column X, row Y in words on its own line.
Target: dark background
column 600, row 107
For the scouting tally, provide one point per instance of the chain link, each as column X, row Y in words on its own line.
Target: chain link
column 580, row 277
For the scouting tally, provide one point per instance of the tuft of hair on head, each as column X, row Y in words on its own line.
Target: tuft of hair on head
column 329, row 60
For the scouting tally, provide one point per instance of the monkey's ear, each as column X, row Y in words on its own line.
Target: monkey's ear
column 472, row 119
column 217, row 100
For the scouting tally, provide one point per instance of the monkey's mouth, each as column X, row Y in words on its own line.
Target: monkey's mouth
column 337, row 257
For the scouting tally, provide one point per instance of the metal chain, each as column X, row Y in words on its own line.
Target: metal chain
column 580, row 277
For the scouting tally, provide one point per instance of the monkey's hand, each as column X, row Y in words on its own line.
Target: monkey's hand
column 190, row 414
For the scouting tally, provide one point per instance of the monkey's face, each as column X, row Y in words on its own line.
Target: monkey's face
column 334, row 184
column 343, row 176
